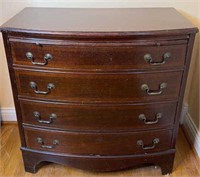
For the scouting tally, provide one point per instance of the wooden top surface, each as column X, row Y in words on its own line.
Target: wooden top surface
column 98, row 20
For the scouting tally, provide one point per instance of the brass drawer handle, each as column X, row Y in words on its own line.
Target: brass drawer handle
column 141, row 143
column 148, row 58
column 50, row 86
column 55, row 143
column 144, row 119
column 47, row 57
column 145, row 87
column 38, row 117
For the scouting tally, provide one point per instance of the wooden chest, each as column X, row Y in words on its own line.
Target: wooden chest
column 98, row 89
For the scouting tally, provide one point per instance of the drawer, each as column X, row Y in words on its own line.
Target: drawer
column 98, row 117
column 98, row 56
column 74, row 87
column 98, row 143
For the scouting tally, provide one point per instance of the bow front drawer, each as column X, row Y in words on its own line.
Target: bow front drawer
column 99, row 56
column 98, row 143
column 77, row 117
column 73, row 87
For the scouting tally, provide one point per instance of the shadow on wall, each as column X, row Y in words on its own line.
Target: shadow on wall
column 0, row 117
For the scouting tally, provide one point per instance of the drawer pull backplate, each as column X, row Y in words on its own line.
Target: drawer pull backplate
column 50, row 86
column 145, row 87
column 38, row 117
column 144, row 119
column 141, row 143
column 47, row 57
column 55, row 143
column 148, row 58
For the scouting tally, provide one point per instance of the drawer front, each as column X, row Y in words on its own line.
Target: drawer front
column 110, row 56
column 84, row 88
column 95, row 118
column 98, row 143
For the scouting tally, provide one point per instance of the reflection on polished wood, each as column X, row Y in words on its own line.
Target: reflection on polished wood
column 11, row 164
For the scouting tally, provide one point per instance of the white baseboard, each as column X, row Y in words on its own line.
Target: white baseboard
column 192, row 132
column 8, row 114
column 183, row 112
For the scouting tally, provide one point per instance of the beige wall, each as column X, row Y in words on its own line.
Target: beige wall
column 193, row 84
column 193, row 100
column 190, row 9
column 5, row 88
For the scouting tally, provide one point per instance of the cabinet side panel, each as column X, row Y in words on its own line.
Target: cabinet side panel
column 183, row 85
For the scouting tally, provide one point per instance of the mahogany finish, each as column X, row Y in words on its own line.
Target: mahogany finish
column 76, row 117
column 98, row 143
column 98, row 163
column 92, row 20
column 78, row 87
column 101, row 90
column 104, row 56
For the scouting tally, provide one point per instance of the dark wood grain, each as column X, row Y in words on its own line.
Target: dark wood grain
column 98, row 68
column 99, row 20
column 98, row 143
column 183, row 85
column 163, row 159
column 81, row 55
column 98, row 118
column 75, row 87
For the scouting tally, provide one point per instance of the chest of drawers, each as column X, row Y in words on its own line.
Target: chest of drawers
column 98, row 89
